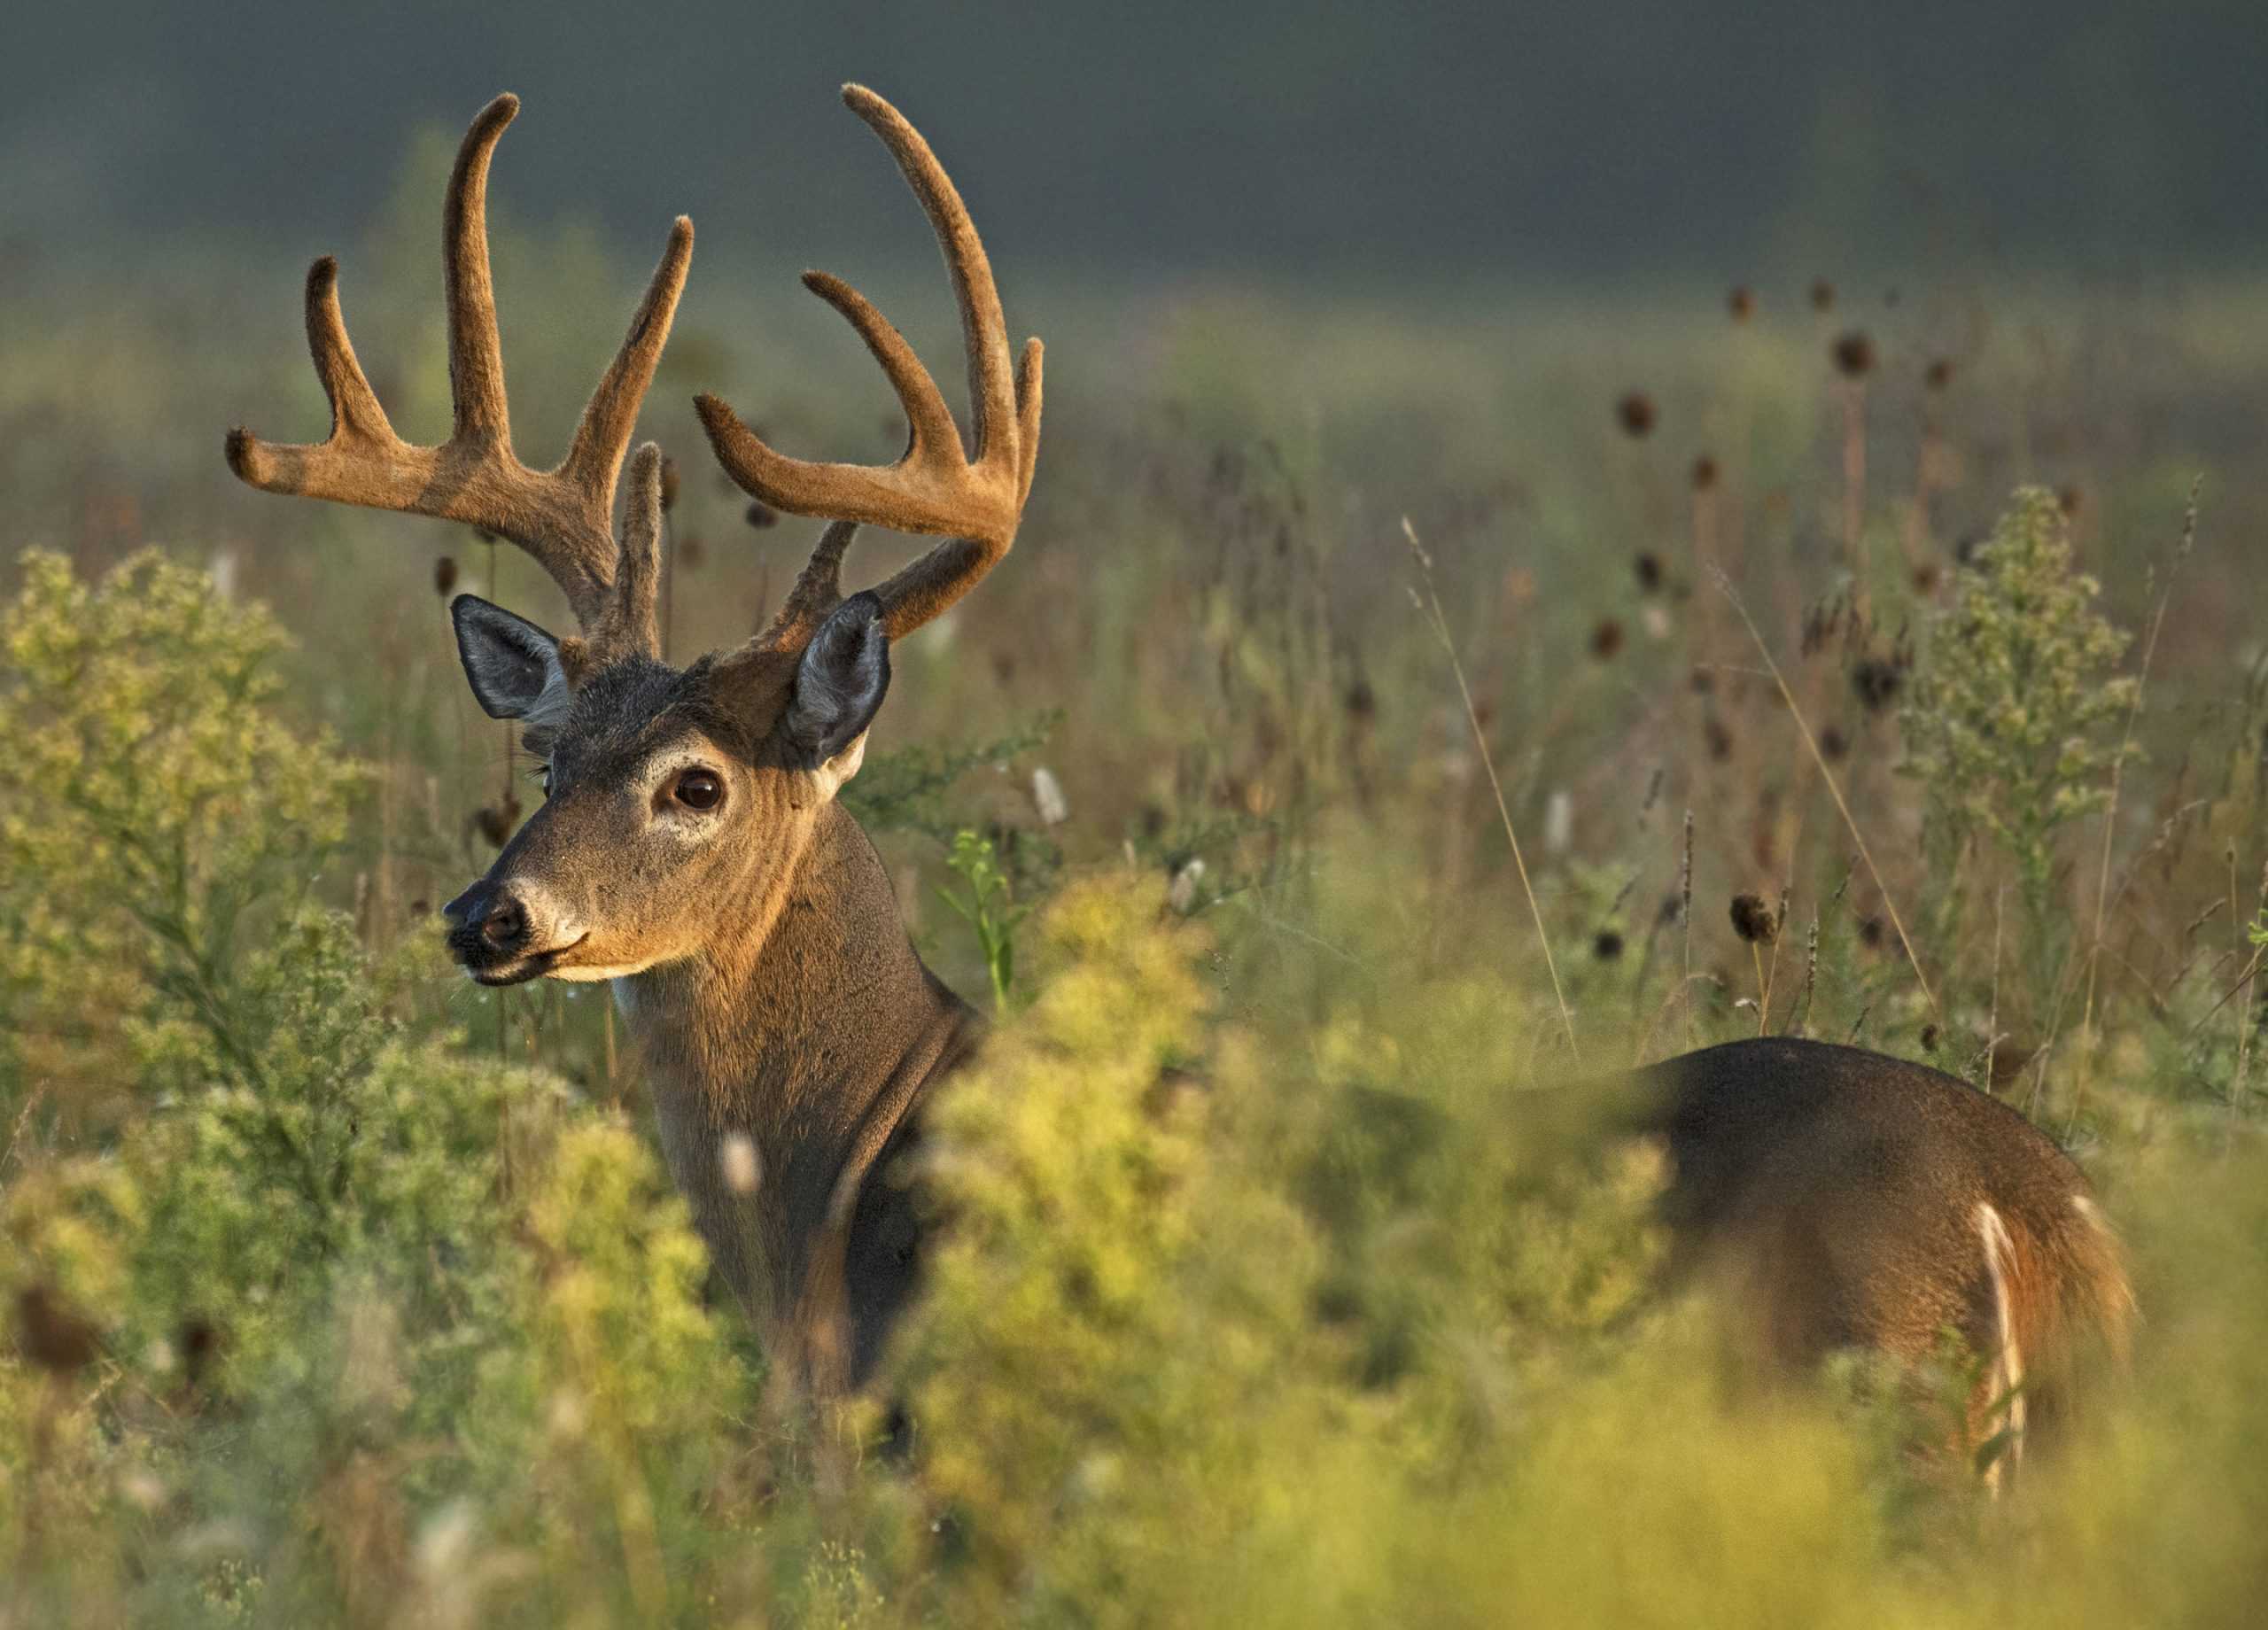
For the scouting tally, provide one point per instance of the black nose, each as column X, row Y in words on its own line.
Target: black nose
column 486, row 923
column 505, row 926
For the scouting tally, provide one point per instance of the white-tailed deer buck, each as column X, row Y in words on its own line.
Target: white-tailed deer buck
column 691, row 851
column 690, row 848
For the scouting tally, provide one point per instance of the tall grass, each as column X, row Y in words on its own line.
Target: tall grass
column 337, row 1292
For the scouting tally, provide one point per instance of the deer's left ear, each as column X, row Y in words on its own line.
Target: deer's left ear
column 513, row 666
column 840, row 681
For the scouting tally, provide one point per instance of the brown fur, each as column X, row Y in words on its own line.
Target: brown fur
column 753, row 945
column 1840, row 1188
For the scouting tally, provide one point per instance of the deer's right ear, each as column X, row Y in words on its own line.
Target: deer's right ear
column 513, row 665
column 841, row 680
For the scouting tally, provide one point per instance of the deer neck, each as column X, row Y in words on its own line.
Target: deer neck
column 810, row 1034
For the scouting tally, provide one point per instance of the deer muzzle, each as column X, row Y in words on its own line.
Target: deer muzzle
column 506, row 933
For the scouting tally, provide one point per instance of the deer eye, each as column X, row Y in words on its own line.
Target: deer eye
column 698, row 789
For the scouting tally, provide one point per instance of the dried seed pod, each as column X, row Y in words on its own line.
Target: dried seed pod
column 1854, row 354
column 1877, row 682
column 50, row 1334
column 496, row 821
column 1753, row 920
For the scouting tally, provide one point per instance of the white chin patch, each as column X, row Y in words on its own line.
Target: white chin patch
column 592, row 976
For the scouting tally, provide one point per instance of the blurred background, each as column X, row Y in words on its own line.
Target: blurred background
column 1902, row 370
column 1367, row 145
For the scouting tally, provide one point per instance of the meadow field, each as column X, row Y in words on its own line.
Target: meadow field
column 341, row 1291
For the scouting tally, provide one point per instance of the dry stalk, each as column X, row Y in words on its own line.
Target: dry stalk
column 2117, row 784
column 1834, row 789
column 1685, row 924
column 1993, row 1024
column 1431, row 605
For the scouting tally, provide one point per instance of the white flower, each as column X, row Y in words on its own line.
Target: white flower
column 1047, row 797
column 741, row 1168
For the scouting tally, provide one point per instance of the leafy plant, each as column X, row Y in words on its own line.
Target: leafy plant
column 989, row 908
column 2010, row 722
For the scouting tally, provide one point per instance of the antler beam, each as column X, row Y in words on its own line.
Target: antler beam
column 973, row 498
column 563, row 517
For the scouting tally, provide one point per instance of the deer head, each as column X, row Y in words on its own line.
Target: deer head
column 676, row 799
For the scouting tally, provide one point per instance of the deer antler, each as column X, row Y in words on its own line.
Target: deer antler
column 974, row 499
column 562, row 517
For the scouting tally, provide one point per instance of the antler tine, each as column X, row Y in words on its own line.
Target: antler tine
column 818, row 590
column 628, row 625
column 983, row 328
column 973, row 496
column 563, row 517
column 476, row 353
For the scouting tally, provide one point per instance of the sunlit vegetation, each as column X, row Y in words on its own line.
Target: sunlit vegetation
column 1283, row 1284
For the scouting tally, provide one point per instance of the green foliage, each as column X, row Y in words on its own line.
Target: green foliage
column 988, row 907
column 1091, row 1368
column 904, row 788
column 2011, row 724
column 1292, row 1277
column 151, row 801
column 323, row 1277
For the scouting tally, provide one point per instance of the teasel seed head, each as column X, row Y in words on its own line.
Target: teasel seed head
column 1753, row 920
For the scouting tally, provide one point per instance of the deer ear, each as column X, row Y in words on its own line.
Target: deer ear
column 840, row 681
column 513, row 666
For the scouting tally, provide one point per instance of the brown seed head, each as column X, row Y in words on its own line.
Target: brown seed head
column 1635, row 413
column 1753, row 920
column 50, row 1334
column 1877, row 682
column 1606, row 639
column 1854, row 354
column 761, row 514
column 496, row 821
column 445, row 575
